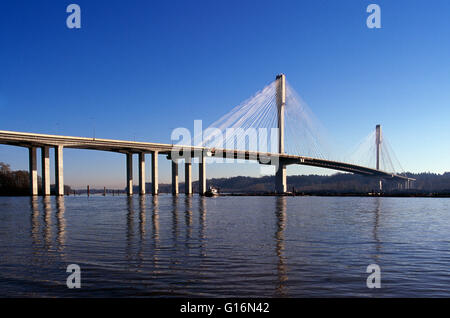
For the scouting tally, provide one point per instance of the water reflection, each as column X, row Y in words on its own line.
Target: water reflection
column 47, row 223
column 142, row 220
column 130, row 228
column 175, row 219
column 60, row 223
column 377, row 211
column 142, row 217
column 136, row 241
column 216, row 261
column 280, row 213
column 155, row 230
column 35, row 220
column 202, row 228
column 42, row 234
column 188, row 217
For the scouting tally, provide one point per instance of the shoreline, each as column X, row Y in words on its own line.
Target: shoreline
column 249, row 194
column 412, row 195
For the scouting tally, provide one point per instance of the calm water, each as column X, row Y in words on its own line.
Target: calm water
column 225, row 246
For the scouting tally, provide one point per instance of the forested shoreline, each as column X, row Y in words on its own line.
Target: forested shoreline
column 16, row 183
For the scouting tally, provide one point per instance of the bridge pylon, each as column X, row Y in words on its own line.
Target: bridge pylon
column 280, row 176
column 378, row 144
column 378, row 147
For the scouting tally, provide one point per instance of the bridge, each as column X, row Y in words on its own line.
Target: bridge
column 279, row 159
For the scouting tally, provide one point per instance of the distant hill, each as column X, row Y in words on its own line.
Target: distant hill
column 17, row 183
column 337, row 183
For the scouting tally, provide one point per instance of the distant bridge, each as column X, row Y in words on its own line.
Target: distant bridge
column 45, row 142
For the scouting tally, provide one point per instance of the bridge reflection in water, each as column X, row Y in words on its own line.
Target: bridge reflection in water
column 240, row 246
column 164, row 246
column 47, row 219
column 281, row 218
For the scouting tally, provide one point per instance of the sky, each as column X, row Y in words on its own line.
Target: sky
column 138, row 69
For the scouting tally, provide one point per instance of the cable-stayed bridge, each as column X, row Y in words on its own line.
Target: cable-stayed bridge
column 274, row 108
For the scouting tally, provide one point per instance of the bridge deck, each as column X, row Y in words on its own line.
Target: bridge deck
column 39, row 140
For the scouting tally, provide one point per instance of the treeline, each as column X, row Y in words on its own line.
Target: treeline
column 17, row 183
column 426, row 183
column 431, row 182
column 13, row 182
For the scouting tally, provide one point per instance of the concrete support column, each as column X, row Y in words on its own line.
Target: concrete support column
column 129, row 174
column 59, row 170
column 188, row 177
column 174, row 177
column 155, row 172
column 141, row 173
column 33, row 171
column 45, row 156
column 201, row 175
column 280, row 178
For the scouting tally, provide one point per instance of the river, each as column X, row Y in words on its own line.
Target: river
column 167, row 246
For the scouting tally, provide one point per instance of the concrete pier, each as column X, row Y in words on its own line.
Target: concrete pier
column 174, row 176
column 129, row 174
column 45, row 158
column 407, row 185
column 141, row 173
column 33, row 171
column 155, row 172
column 201, row 175
column 188, row 177
column 280, row 178
column 59, row 170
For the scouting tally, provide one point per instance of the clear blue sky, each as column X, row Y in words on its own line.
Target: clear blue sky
column 138, row 69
